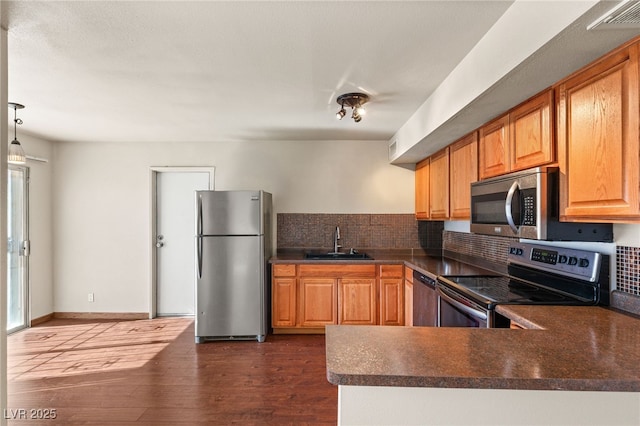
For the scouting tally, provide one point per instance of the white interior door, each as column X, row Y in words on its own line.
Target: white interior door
column 175, row 240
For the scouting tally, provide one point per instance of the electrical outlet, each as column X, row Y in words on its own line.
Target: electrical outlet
column 90, row 297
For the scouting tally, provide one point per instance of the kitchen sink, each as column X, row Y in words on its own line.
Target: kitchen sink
column 337, row 256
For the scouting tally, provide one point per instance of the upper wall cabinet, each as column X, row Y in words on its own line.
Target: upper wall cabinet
column 422, row 189
column 439, row 185
column 519, row 140
column 463, row 170
column 531, row 133
column 598, row 148
column 494, row 148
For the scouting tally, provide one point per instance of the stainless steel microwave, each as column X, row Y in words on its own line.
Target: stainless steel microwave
column 525, row 205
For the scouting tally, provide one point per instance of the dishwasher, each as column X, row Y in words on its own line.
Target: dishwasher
column 425, row 300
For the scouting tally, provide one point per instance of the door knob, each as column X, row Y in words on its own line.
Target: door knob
column 159, row 241
column 159, row 244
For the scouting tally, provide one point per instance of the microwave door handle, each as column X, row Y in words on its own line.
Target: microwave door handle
column 508, row 207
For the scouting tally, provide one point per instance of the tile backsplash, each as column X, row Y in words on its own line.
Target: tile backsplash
column 402, row 231
column 360, row 231
column 628, row 269
column 486, row 247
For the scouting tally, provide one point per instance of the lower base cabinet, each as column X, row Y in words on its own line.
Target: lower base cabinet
column 357, row 301
column 306, row 297
column 391, row 295
column 318, row 304
column 283, row 295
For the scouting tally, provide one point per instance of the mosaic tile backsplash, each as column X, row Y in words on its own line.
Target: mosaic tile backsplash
column 628, row 269
column 487, row 247
column 402, row 231
column 360, row 231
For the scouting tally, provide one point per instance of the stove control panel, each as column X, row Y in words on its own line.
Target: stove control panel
column 581, row 264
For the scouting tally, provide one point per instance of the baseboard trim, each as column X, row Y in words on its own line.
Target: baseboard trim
column 125, row 316
column 41, row 319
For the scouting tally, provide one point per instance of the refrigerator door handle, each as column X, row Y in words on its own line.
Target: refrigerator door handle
column 199, row 221
column 200, row 249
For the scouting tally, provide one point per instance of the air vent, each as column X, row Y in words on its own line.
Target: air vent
column 626, row 15
column 392, row 149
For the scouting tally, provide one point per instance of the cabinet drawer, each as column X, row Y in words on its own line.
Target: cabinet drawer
column 282, row 270
column 387, row 271
column 338, row 271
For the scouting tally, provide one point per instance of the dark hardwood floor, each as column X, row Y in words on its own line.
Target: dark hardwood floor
column 150, row 372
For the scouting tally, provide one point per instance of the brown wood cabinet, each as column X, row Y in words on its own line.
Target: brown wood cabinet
column 318, row 302
column 408, row 296
column 283, row 296
column 493, row 158
column 531, row 133
column 391, row 295
column 308, row 296
column 518, row 140
column 357, row 301
column 422, row 189
column 439, row 185
column 598, row 140
column 463, row 156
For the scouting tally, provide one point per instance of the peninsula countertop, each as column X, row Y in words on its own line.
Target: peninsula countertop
column 565, row 348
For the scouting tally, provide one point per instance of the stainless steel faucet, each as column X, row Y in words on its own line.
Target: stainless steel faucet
column 336, row 238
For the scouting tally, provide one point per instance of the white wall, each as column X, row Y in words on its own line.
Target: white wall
column 102, row 211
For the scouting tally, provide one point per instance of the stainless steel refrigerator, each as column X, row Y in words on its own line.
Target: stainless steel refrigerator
column 233, row 245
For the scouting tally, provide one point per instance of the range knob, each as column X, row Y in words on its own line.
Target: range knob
column 583, row 263
column 573, row 260
column 562, row 258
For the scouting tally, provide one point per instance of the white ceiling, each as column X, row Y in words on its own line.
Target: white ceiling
column 231, row 70
column 119, row 71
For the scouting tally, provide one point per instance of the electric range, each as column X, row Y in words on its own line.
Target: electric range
column 537, row 275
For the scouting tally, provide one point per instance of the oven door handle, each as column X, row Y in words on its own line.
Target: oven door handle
column 508, row 207
column 464, row 308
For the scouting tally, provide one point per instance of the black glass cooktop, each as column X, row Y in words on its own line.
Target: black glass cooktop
column 491, row 290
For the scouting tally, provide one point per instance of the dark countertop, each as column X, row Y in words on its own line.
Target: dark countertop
column 430, row 265
column 570, row 348
column 565, row 348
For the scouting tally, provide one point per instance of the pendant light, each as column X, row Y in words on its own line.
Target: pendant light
column 16, row 153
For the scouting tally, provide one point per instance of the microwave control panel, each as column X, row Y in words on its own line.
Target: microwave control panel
column 529, row 207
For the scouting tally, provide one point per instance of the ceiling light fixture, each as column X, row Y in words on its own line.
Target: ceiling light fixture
column 16, row 153
column 355, row 101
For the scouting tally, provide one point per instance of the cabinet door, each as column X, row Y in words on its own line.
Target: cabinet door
column 531, row 138
column 494, row 148
column 318, row 302
column 408, row 303
column 283, row 304
column 422, row 189
column 463, row 171
column 357, row 301
column 391, row 301
column 598, row 146
column 439, row 185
